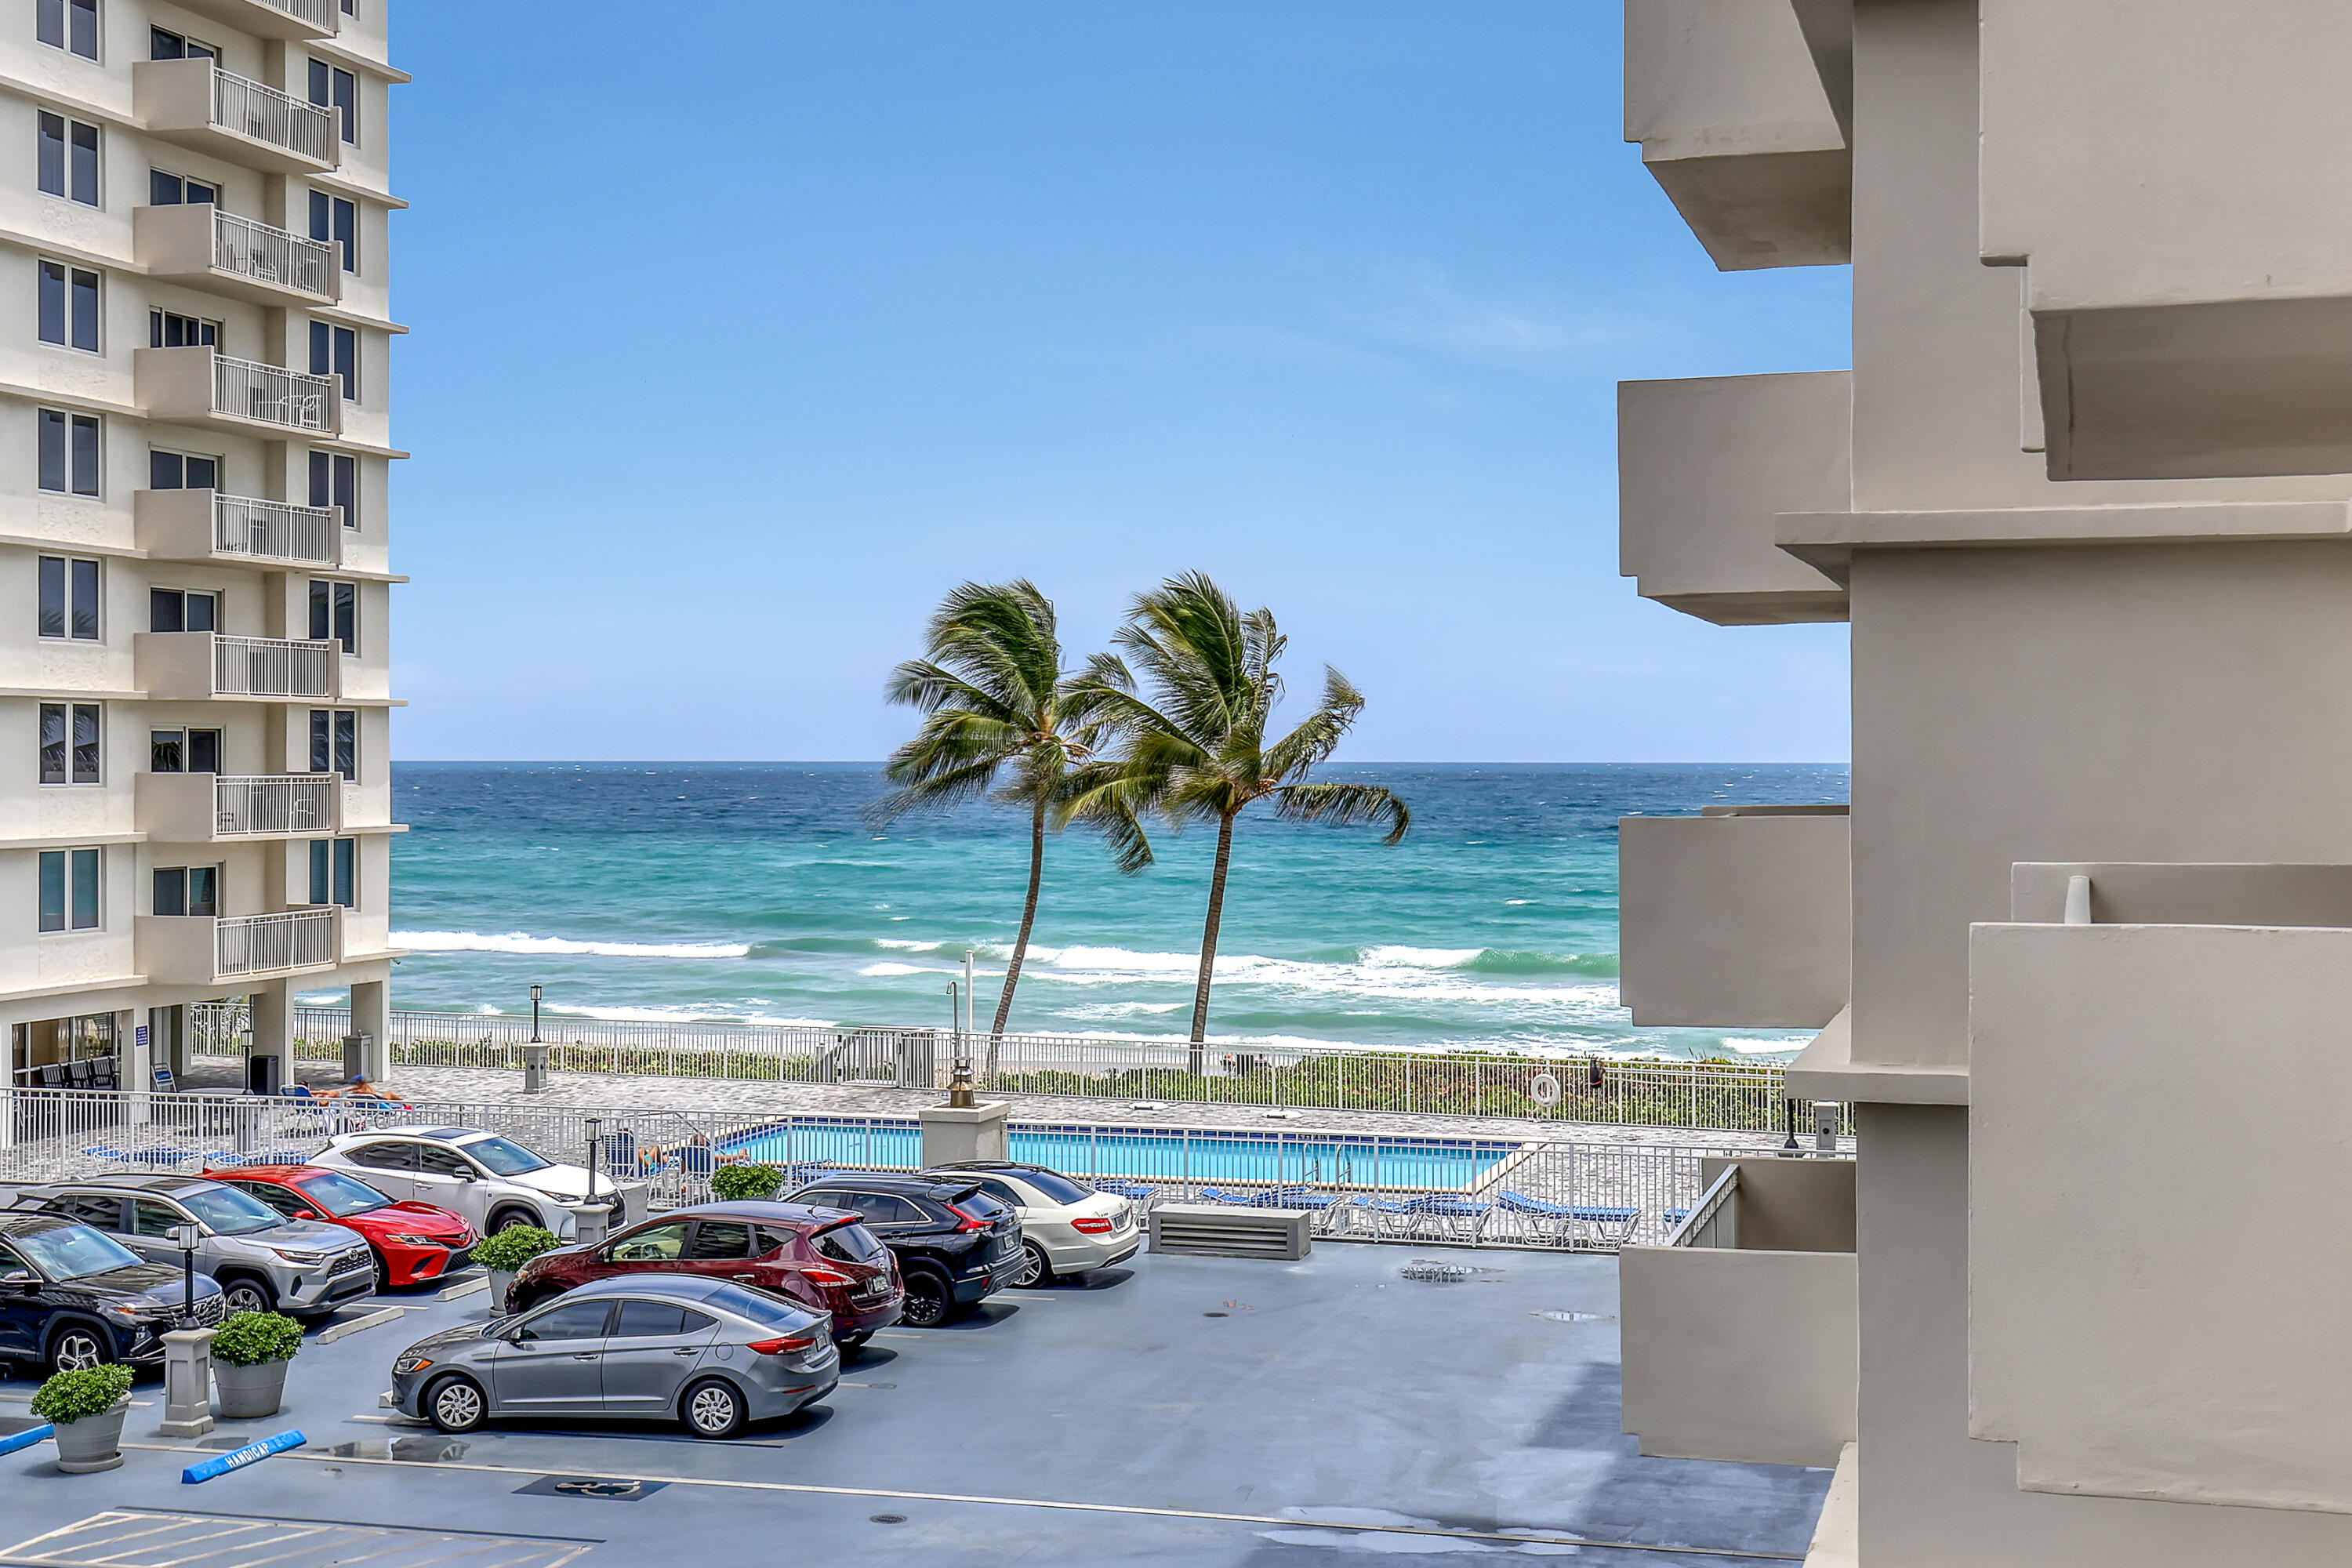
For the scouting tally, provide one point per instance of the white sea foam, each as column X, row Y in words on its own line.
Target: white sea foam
column 885, row 941
column 1419, row 957
column 522, row 942
column 686, row 1015
column 885, row 970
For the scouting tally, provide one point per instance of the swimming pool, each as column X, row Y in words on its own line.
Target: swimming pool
column 1174, row 1155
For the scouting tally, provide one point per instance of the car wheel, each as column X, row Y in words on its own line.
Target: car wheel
column 1035, row 1270
column 383, row 1271
column 928, row 1301
column 77, row 1347
column 241, row 1295
column 456, row 1404
column 713, row 1408
column 854, row 1343
column 507, row 1219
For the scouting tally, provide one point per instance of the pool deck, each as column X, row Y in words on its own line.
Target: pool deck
column 636, row 1091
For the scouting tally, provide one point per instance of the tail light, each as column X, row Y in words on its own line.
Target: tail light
column 967, row 1221
column 785, row 1345
column 826, row 1277
column 1091, row 1225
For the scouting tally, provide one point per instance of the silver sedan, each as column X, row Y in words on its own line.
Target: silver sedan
column 651, row 1347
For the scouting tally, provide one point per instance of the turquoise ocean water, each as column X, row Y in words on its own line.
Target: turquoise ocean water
column 750, row 892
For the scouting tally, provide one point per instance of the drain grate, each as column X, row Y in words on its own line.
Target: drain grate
column 141, row 1538
column 1437, row 1271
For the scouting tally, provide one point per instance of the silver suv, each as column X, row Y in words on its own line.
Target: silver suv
column 263, row 1261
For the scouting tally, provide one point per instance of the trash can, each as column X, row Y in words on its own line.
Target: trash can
column 261, row 1075
column 534, row 1068
column 356, row 1049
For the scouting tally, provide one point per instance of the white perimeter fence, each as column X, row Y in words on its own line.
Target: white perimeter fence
column 1726, row 1097
column 1539, row 1192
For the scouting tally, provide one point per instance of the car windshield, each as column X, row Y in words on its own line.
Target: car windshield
column 980, row 1205
column 228, row 1211
column 340, row 1195
column 774, row 1311
column 1055, row 1185
column 73, row 1251
column 502, row 1158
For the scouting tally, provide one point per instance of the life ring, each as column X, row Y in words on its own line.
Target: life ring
column 1544, row 1090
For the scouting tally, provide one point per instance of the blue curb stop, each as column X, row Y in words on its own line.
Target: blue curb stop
column 251, row 1454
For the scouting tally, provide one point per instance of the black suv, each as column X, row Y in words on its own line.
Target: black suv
column 71, row 1297
column 955, row 1245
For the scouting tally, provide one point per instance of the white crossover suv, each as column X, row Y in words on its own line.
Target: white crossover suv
column 1066, row 1227
column 492, row 1181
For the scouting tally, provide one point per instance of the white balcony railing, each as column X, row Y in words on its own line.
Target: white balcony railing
column 271, row 254
column 247, row 389
column 251, row 108
column 247, row 525
column 275, row 805
column 269, row 667
column 258, row 944
column 323, row 15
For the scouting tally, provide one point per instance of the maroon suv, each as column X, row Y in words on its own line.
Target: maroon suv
column 820, row 1256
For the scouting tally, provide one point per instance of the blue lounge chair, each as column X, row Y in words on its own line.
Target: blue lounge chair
column 1673, row 1217
column 1292, row 1198
column 1134, row 1192
column 696, row 1162
column 154, row 1154
column 1549, row 1221
column 1459, row 1217
column 1611, row 1225
column 1239, row 1200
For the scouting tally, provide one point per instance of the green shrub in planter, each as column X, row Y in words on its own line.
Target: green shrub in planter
column 249, row 1339
column 505, row 1251
column 73, row 1395
column 733, row 1184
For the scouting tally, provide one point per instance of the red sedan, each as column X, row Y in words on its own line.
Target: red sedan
column 822, row 1257
column 413, row 1242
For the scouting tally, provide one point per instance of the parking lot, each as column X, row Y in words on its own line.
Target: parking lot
column 1176, row 1410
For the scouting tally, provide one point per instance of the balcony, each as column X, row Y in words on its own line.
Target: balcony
column 204, row 386
column 2157, row 1077
column 273, row 18
column 1704, row 466
column 192, row 950
column 209, row 808
column 194, row 667
column 196, row 104
column 205, row 247
column 1741, row 1334
column 224, row 529
column 1741, row 918
column 1741, row 110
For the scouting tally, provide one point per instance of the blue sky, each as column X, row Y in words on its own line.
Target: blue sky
column 727, row 362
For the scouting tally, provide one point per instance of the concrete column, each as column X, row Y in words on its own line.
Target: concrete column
column 954, row 1133
column 273, row 1026
column 187, row 1382
column 372, row 1016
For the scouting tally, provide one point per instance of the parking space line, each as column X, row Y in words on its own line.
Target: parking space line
column 1115, row 1508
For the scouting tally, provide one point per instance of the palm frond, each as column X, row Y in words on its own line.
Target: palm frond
column 938, row 791
column 1343, row 805
column 1319, row 734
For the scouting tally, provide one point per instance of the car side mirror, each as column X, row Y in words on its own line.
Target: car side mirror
column 306, row 1214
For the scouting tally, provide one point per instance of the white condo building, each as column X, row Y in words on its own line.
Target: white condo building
column 2079, row 955
column 195, row 606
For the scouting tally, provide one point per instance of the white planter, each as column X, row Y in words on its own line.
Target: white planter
column 248, row 1393
column 94, row 1443
column 502, row 1281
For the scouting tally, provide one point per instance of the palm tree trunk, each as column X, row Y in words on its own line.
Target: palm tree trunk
column 1209, row 940
column 1020, row 942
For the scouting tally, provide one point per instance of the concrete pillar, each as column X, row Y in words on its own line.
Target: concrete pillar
column 372, row 1016
column 272, row 1007
column 187, row 1382
column 955, row 1133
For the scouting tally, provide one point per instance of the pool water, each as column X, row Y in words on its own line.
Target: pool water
column 1151, row 1155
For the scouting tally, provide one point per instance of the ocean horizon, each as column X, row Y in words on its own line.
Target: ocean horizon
column 753, row 893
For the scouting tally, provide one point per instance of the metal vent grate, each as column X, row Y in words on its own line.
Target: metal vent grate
column 1204, row 1230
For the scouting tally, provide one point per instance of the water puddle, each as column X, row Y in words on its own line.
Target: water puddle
column 1438, row 1271
column 1567, row 1317
column 425, row 1450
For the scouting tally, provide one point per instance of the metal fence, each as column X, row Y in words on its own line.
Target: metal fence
column 256, row 110
column 1541, row 1191
column 262, row 944
column 247, row 389
column 1728, row 1096
column 248, row 525
column 272, row 666
column 271, row 254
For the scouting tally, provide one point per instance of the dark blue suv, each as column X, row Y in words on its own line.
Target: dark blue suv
column 71, row 1297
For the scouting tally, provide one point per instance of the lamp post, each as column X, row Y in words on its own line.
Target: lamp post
column 536, row 993
column 959, row 1081
column 595, row 1127
column 183, row 1236
column 187, row 1352
column 1788, row 1118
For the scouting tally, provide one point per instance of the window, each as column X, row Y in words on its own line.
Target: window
column 573, row 1321
column 717, row 1239
column 336, row 222
column 70, row 749
column 661, row 1319
column 167, row 330
column 69, row 306
column 350, row 7
column 68, row 598
column 340, row 90
column 172, row 190
column 335, row 350
column 335, row 613
column 68, row 160
column 187, row 891
column 168, row 470
column 433, row 1162
column 385, row 1156
column 277, row 1198
column 102, row 1211
column 335, row 741
column 163, row 46
column 335, row 483
column 178, row 610
column 333, row 865
column 68, row 452
column 183, row 751
column 69, row 889
column 655, row 1244
column 69, row 25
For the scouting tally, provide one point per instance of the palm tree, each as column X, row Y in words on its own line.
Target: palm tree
column 1197, row 750
column 997, row 721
